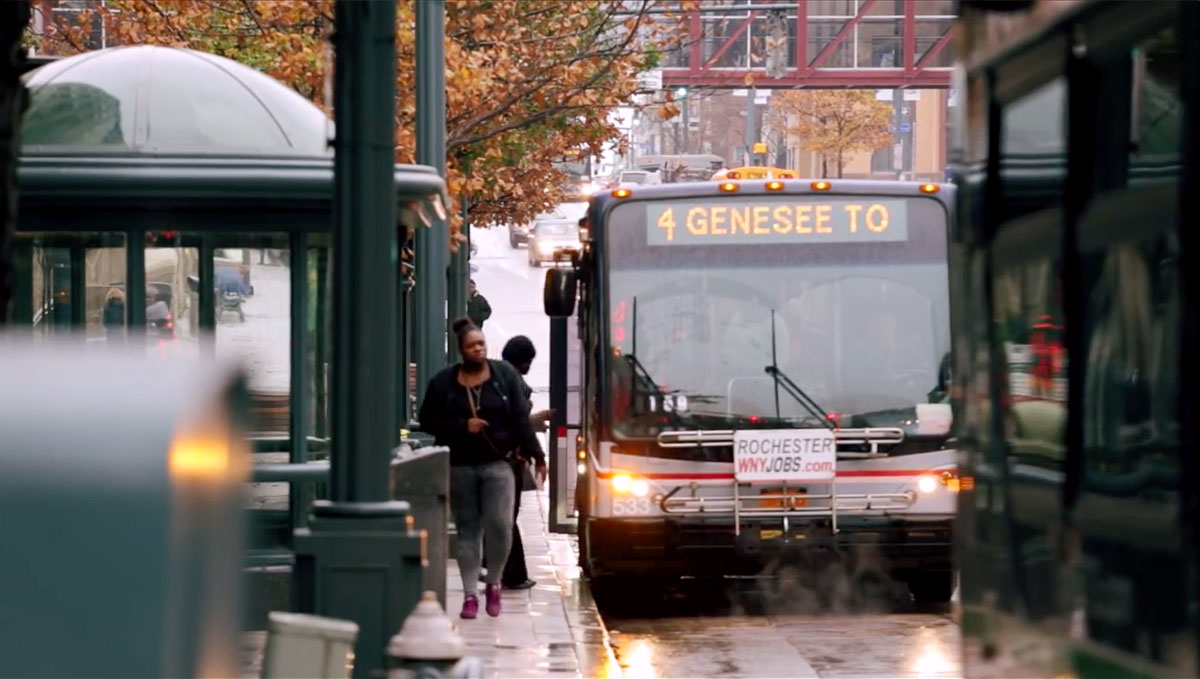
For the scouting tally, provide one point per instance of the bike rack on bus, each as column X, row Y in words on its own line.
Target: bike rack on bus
column 872, row 437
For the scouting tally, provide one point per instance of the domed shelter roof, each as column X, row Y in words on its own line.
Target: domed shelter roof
column 167, row 101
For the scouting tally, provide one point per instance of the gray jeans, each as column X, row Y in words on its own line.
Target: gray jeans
column 481, row 499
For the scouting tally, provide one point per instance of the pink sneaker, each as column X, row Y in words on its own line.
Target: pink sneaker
column 493, row 600
column 470, row 608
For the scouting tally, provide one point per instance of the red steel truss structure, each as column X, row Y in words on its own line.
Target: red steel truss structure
column 878, row 44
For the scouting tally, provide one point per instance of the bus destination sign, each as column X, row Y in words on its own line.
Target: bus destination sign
column 774, row 221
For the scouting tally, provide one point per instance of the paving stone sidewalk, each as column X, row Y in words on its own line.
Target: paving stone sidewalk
column 551, row 630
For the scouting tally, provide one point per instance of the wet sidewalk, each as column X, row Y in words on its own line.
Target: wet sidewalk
column 551, row 630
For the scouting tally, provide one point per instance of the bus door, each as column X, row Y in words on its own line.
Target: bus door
column 566, row 369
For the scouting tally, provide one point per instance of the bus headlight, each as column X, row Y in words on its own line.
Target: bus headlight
column 927, row 484
column 627, row 484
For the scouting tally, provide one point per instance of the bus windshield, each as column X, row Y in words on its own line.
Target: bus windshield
column 845, row 295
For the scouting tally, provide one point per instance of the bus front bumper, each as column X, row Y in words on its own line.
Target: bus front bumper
column 700, row 547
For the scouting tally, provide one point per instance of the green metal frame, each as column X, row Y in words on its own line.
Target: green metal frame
column 204, row 197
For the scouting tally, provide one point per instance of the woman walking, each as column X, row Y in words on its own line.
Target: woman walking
column 477, row 409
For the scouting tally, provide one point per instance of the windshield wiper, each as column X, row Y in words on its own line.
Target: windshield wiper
column 639, row 371
column 793, row 390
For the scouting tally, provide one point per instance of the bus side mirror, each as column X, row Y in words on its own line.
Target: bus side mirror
column 558, row 297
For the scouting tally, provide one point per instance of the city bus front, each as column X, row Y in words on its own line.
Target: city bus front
column 771, row 376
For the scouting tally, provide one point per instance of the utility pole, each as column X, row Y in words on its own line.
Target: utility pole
column 902, row 148
column 687, row 105
column 897, row 123
column 357, row 559
column 751, row 134
column 433, row 244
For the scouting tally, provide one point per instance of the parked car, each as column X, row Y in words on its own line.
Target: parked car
column 552, row 236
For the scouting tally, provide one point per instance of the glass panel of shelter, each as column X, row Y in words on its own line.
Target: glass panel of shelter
column 65, row 287
column 73, row 285
column 1135, row 566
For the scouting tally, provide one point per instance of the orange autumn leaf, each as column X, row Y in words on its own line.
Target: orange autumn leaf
column 526, row 82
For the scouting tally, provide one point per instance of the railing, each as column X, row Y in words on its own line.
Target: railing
column 419, row 476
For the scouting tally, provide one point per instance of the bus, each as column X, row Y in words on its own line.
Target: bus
column 754, row 172
column 763, row 371
column 1074, row 265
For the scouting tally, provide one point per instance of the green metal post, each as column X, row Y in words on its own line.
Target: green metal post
column 357, row 559
column 432, row 245
column 457, row 278
column 365, row 253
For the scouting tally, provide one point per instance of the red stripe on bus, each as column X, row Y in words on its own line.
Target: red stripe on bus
column 885, row 472
column 667, row 477
column 861, row 473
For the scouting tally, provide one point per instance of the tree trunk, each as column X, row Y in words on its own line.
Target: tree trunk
column 14, row 16
column 824, row 166
column 839, row 164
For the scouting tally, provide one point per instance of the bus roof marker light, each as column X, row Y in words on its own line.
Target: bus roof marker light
column 775, row 186
column 929, row 188
column 621, row 193
column 820, row 186
column 729, row 187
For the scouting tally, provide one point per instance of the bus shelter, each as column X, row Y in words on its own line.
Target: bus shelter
column 183, row 201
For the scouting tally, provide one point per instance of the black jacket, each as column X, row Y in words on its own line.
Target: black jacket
column 478, row 309
column 444, row 414
column 537, row 455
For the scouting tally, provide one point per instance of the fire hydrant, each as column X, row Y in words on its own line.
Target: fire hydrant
column 429, row 647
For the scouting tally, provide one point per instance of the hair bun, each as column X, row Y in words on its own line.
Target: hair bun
column 461, row 325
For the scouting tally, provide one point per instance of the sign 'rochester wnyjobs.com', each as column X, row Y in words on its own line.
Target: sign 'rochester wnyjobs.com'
column 784, row 455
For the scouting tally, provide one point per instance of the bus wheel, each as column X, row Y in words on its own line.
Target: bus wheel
column 932, row 587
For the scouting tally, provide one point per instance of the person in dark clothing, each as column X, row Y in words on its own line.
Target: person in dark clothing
column 112, row 316
column 478, row 309
column 519, row 353
column 231, row 281
column 476, row 408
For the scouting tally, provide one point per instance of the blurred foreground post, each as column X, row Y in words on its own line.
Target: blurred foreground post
column 359, row 560
column 121, row 484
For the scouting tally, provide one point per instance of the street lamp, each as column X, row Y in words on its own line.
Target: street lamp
column 681, row 92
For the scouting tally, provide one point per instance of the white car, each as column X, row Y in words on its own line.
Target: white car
column 631, row 178
column 550, row 237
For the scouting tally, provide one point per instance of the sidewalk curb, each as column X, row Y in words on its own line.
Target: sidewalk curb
column 614, row 669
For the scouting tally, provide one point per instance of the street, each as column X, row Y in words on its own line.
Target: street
column 697, row 629
column 515, row 293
